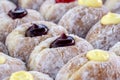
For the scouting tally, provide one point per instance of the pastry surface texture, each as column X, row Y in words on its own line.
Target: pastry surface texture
column 113, row 5
column 81, row 68
column 103, row 36
column 116, row 48
column 80, row 19
column 3, row 48
column 8, row 24
column 4, row 6
column 50, row 60
column 20, row 46
column 35, row 76
column 31, row 4
column 53, row 11
column 9, row 65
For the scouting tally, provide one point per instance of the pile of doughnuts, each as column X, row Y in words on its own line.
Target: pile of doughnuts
column 59, row 40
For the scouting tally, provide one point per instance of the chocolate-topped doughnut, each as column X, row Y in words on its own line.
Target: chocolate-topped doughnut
column 14, row 18
column 53, row 53
column 22, row 40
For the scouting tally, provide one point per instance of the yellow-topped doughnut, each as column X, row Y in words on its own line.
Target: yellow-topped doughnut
column 110, row 18
column 97, row 55
column 21, row 75
column 91, row 3
column 2, row 59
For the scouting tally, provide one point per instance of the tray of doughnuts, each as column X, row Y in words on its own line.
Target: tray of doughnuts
column 59, row 39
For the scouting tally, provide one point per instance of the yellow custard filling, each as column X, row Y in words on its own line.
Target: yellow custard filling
column 91, row 3
column 2, row 59
column 110, row 18
column 97, row 55
column 21, row 75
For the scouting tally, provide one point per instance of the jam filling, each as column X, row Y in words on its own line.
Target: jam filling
column 63, row 41
column 36, row 30
column 64, row 1
column 17, row 13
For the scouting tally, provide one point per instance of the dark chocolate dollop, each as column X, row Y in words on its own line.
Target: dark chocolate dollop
column 17, row 13
column 36, row 30
column 63, row 41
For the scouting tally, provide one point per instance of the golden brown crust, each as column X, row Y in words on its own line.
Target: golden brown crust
column 103, row 36
column 50, row 60
column 20, row 46
column 80, row 19
column 90, row 70
column 59, row 9
column 11, row 65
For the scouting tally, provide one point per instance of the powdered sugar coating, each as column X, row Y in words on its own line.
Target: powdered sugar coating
column 40, row 76
column 3, row 48
column 53, row 11
column 8, row 24
column 4, row 6
column 104, row 36
column 113, row 5
column 20, row 46
column 80, row 68
column 37, row 76
column 50, row 60
column 80, row 19
column 11, row 65
column 31, row 4
column 116, row 48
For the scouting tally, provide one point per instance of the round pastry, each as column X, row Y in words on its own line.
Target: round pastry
column 3, row 48
column 116, row 48
column 81, row 18
column 31, row 4
column 106, row 32
column 94, row 65
column 16, row 17
column 50, row 55
column 22, row 40
column 31, row 75
column 113, row 5
column 9, row 65
column 4, row 6
column 53, row 10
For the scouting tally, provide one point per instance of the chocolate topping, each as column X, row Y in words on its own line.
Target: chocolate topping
column 17, row 13
column 36, row 30
column 63, row 41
